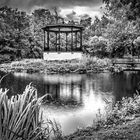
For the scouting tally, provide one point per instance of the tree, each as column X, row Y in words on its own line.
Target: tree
column 58, row 18
column 124, row 26
column 15, row 29
column 39, row 19
column 85, row 22
column 97, row 46
column 132, row 7
column 121, row 35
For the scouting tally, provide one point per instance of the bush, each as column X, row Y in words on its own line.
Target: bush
column 123, row 111
column 96, row 46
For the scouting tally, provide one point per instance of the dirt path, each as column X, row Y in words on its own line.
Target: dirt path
column 128, row 131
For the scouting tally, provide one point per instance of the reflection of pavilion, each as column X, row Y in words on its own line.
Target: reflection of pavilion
column 65, row 91
column 64, row 87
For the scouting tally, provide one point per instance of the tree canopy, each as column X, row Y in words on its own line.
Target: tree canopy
column 132, row 7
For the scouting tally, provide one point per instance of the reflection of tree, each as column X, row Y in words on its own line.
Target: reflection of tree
column 125, row 84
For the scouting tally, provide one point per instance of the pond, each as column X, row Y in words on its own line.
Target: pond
column 75, row 99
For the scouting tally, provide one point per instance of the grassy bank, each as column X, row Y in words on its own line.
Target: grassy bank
column 123, row 122
column 86, row 65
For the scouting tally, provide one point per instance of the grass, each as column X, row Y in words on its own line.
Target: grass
column 21, row 119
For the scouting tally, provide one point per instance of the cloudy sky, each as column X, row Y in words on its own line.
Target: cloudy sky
column 68, row 8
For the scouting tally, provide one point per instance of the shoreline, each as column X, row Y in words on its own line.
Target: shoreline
column 126, row 131
column 57, row 67
column 122, row 122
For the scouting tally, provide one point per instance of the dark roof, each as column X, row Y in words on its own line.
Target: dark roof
column 66, row 28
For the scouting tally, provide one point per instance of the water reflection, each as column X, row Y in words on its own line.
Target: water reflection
column 80, row 96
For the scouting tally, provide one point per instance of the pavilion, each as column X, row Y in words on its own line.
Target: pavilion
column 62, row 41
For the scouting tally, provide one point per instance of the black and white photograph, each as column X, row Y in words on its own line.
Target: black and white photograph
column 69, row 69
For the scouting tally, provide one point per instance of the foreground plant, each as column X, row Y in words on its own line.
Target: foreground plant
column 125, row 110
column 20, row 117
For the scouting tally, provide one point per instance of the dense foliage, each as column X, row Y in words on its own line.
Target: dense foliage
column 86, row 65
column 119, row 26
column 117, row 31
column 132, row 7
column 21, row 33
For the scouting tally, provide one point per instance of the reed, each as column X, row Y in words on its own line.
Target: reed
column 20, row 117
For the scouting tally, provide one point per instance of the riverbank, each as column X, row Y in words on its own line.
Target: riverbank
column 123, row 122
column 126, row 131
column 86, row 65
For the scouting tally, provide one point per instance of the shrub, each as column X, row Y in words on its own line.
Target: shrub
column 123, row 111
column 96, row 46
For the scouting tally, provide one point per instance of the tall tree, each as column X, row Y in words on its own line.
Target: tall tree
column 14, row 28
column 40, row 18
column 124, row 26
column 86, row 22
column 132, row 7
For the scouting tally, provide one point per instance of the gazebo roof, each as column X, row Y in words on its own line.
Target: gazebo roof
column 63, row 28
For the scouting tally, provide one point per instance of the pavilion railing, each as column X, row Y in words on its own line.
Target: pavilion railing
column 62, row 49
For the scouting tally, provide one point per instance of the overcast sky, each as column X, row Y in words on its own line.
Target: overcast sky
column 68, row 8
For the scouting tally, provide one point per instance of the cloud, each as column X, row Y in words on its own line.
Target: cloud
column 84, row 16
column 29, row 4
column 75, row 17
column 77, row 12
column 72, row 16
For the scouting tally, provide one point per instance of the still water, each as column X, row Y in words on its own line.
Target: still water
column 75, row 99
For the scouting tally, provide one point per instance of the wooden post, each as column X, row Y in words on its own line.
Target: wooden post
column 48, row 40
column 56, row 42
column 72, row 39
column 59, row 39
column 66, row 41
column 76, row 40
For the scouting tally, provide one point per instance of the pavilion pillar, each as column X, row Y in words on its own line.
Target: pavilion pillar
column 72, row 39
column 80, row 39
column 76, row 40
column 59, row 39
column 66, row 42
column 56, row 42
column 48, row 38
